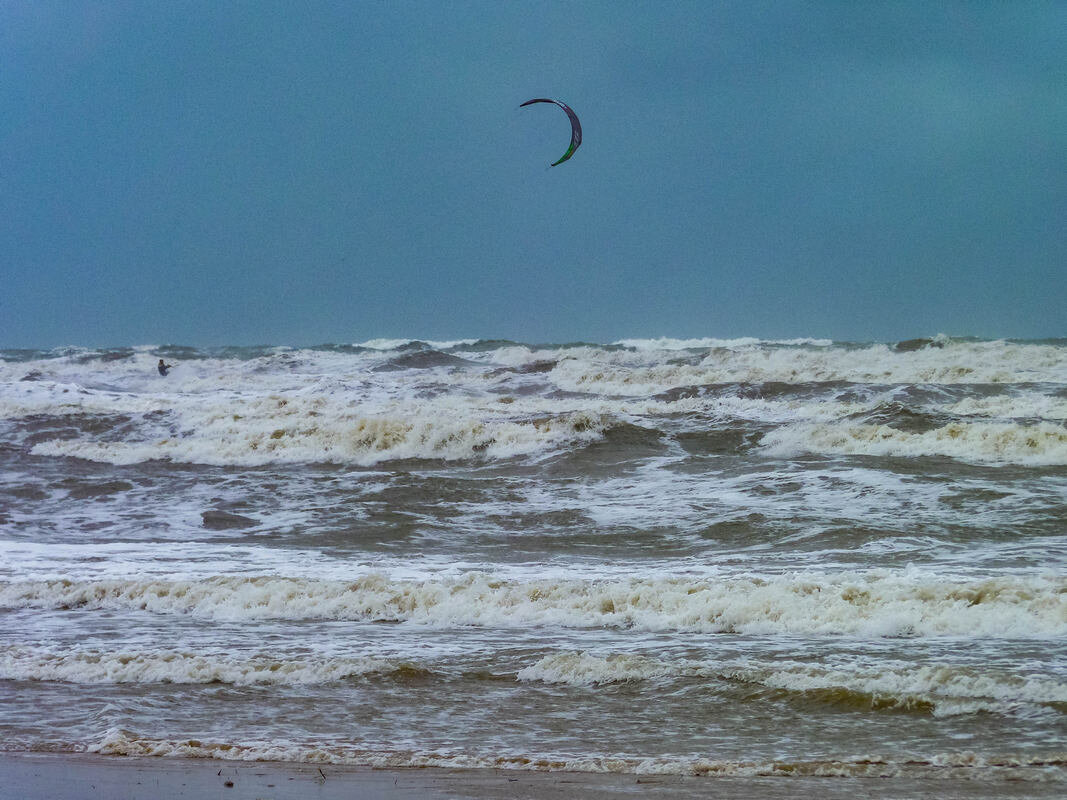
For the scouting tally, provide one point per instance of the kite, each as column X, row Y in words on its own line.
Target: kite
column 576, row 126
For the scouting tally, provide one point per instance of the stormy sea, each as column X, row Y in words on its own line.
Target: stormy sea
column 690, row 557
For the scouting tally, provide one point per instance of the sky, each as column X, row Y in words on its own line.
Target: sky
column 258, row 172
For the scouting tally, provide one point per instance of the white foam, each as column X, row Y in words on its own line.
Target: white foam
column 1026, row 405
column 394, row 344
column 1041, row 444
column 948, row 690
column 665, row 343
column 309, row 429
column 118, row 741
column 858, row 604
column 804, row 341
column 95, row 666
column 798, row 502
column 384, row 344
column 325, row 406
column 955, row 363
column 185, row 560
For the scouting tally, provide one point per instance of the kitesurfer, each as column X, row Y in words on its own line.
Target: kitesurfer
column 163, row 368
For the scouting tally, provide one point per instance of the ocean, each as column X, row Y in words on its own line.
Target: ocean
column 695, row 557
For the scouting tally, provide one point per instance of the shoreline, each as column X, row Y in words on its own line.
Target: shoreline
column 74, row 776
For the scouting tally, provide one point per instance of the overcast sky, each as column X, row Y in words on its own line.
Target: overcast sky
column 300, row 173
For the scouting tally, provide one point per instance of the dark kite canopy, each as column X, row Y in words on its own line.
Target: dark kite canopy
column 576, row 126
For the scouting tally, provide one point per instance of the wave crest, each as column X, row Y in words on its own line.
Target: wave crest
column 1042, row 444
column 92, row 666
column 943, row 690
column 305, row 435
column 119, row 741
column 880, row 604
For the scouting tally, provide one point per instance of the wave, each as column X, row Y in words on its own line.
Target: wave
column 1041, row 444
column 327, row 428
column 855, row 604
column 398, row 344
column 408, row 399
column 93, row 666
column 954, row 363
column 956, row 766
column 661, row 363
column 1030, row 405
column 943, row 690
column 422, row 359
column 667, row 343
column 280, row 430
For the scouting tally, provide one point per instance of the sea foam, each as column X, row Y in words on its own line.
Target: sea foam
column 944, row 689
column 883, row 604
column 957, row 766
column 1041, row 444
column 95, row 666
column 284, row 430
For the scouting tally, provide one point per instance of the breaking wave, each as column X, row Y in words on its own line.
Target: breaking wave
column 939, row 689
column 943, row 690
column 386, row 400
column 302, row 435
column 23, row 664
column 1042, row 444
column 956, row 766
column 882, row 604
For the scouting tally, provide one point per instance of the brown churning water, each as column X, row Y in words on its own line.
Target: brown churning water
column 703, row 557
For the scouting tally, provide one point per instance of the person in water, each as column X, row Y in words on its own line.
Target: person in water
column 163, row 367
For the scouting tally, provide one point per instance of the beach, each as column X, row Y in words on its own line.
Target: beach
column 81, row 777
column 485, row 568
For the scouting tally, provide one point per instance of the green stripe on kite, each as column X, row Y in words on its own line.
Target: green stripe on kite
column 576, row 126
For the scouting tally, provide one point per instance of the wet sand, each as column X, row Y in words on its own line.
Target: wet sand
column 78, row 777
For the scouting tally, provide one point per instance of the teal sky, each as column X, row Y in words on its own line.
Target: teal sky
column 299, row 173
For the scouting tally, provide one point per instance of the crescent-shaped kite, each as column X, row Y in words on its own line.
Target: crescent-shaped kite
column 576, row 126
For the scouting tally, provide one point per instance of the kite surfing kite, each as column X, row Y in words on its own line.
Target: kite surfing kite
column 576, row 126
